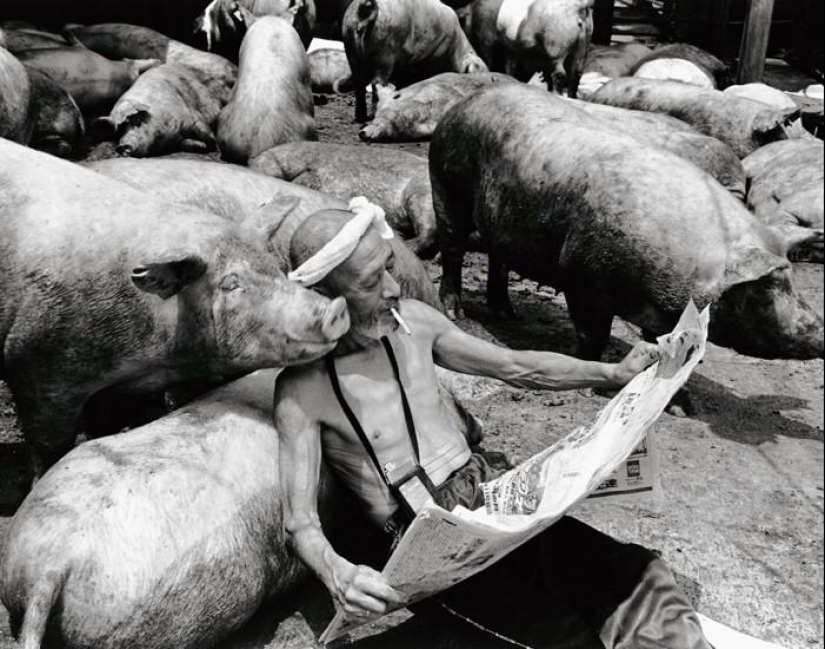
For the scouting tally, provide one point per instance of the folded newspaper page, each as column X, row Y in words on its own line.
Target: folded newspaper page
column 442, row 548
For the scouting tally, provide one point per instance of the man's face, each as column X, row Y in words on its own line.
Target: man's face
column 366, row 282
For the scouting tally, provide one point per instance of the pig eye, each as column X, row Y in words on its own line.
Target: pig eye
column 230, row 283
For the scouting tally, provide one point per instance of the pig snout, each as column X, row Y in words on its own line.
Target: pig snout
column 335, row 322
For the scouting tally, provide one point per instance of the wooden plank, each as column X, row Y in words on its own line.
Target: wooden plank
column 754, row 47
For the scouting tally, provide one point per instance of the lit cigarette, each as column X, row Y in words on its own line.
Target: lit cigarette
column 401, row 322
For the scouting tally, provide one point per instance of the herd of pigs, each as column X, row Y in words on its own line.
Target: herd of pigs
column 152, row 269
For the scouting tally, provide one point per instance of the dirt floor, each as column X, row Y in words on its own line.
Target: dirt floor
column 741, row 514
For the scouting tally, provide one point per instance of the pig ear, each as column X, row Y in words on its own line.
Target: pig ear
column 751, row 264
column 168, row 278
column 793, row 236
column 770, row 119
column 270, row 216
column 296, row 7
column 142, row 65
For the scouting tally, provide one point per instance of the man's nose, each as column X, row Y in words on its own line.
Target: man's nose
column 392, row 291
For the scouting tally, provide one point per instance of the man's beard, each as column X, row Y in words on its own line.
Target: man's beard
column 374, row 326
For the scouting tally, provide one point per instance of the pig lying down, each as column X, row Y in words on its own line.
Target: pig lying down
column 412, row 113
column 400, row 42
column 235, row 193
column 272, row 100
column 623, row 228
column 397, row 181
column 742, row 124
column 105, row 287
column 787, row 190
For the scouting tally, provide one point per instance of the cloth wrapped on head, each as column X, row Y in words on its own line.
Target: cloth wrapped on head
column 342, row 245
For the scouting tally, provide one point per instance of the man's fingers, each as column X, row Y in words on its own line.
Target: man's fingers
column 373, row 583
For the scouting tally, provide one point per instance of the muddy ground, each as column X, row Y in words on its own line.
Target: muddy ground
column 741, row 515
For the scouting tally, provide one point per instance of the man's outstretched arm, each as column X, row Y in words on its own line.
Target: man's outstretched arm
column 359, row 590
column 459, row 351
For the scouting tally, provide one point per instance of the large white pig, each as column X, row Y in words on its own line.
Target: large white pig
column 400, row 42
column 272, row 101
column 107, row 288
column 623, row 228
column 15, row 91
column 521, row 37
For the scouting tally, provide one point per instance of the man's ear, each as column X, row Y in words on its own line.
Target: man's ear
column 168, row 278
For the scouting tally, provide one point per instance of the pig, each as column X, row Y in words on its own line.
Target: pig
column 121, row 41
column 191, row 508
column 787, row 189
column 167, row 109
column 108, row 288
column 762, row 93
column 542, row 192
column 399, row 42
column 742, row 124
column 397, row 181
column 187, row 535
column 15, row 95
column 615, row 60
column 57, row 123
column 93, row 81
column 521, row 37
column 272, row 101
column 412, row 113
column 683, row 62
column 224, row 23
column 23, row 40
column 236, row 193
column 605, row 62
column 327, row 65
column 709, row 154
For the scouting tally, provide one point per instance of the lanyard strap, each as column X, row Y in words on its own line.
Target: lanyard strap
column 353, row 420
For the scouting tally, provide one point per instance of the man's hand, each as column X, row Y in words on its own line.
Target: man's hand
column 362, row 592
column 642, row 356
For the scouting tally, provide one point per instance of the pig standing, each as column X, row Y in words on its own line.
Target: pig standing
column 787, row 189
column 93, row 81
column 121, row 41
column 167, row 109
column 412, row 113
column 224, row 23
column 327, row 65
column 397, row 181
column 272, row 100
column 104, row 287
column 236, row 193
column 521, row 37
column 742, row 124
column 15, row 94
column 709, row 154
column 167, row 536
column 400, row 42
column 543, row 193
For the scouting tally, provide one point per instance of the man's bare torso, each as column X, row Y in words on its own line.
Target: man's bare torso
column 370, row 388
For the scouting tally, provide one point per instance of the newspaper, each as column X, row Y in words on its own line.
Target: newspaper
column 442, row 548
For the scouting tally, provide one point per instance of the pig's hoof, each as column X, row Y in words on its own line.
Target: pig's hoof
column 681, row 405
column 676, row 411
column 452, row 308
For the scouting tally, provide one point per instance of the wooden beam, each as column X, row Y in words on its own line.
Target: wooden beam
column 754, row 47
column 603, row 22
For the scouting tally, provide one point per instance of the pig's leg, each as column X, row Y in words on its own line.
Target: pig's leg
column 592, row 316
column 418, row 204
column 381, row 80
column 361, row 77
column 454, row 217
column 498, row 297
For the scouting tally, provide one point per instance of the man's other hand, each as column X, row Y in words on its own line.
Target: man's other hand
column 363, row 592
column 642, row 356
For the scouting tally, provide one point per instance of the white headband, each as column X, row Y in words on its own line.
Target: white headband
column 341, row 246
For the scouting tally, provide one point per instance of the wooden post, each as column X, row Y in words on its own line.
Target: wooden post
column 754, row 46
column 603, row 22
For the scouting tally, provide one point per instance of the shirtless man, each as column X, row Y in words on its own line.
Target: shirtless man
column 572, row 587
